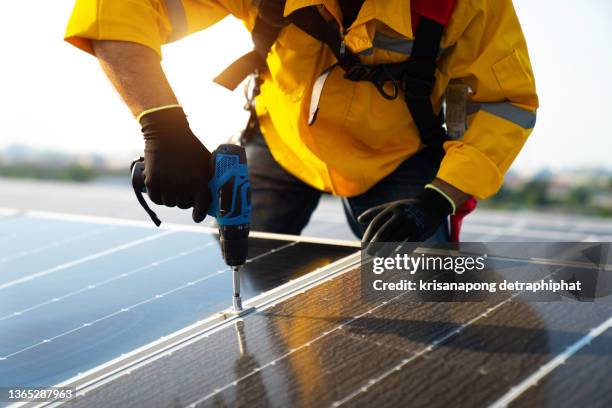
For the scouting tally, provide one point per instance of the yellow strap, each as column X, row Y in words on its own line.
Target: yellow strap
column 176, row 105
column 450, row 200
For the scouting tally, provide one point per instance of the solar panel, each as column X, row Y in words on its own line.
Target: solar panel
column 330, row 346
column 311, row 338
column 525, row 226
column 76, row 294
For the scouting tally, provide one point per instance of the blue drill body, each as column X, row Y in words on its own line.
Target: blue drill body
column 230, row 205
column 230, row 202
column 229, row 187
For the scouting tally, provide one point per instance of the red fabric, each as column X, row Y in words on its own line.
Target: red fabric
column 437, row 10
column 457, row 219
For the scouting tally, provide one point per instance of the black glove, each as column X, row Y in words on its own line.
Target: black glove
column 412, row 220
column 177, row 164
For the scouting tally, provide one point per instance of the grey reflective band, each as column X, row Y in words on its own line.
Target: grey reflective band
column 178, row 19
column 399, row 45
column 505, row 110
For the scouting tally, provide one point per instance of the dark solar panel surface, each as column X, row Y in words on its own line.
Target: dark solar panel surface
column 74, row 294
column 326, row 346
column 330, row 346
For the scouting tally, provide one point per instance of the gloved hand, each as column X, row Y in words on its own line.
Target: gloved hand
column 177, row 164
column 413, row 220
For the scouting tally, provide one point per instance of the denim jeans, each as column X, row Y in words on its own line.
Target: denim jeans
column 283, row 204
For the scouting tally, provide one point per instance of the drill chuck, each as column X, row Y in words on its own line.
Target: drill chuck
column 234, row 243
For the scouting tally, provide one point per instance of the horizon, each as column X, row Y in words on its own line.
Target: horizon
column 79, row 113
column 114, row 161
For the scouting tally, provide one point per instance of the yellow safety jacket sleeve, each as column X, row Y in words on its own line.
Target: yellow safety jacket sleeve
column 490, row 56
column 148, row 22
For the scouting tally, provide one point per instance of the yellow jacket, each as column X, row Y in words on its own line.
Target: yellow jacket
column 358, row 137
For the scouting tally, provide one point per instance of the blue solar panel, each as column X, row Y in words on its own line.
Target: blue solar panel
column 76, row 294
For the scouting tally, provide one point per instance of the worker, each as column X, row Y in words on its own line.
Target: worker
column 324, row 120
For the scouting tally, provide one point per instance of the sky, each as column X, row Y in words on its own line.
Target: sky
column 53, row 96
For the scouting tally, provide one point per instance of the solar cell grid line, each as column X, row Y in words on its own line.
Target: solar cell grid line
column 55, row 285
column 337, row 334
column 293, row 350
column 363, row 388
column 516, row 391
column 84, row 259
column 98, row 284
column 481, row 365
column 273, row 362
column 266, row 299
column 578, row 379
column 203, row 329
column 575, row 316
column 435, row 343
column 374, row 381
column 291, row 287
column 61, row 230
column 12, row 231
column 138, row 304
column 273, row 365
column 55, row 244
column 32, row 233
column 60, row 295
column 28, row 265
column 111, row 315
column 263, row 248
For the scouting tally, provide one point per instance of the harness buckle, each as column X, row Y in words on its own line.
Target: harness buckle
column 379, row 75
column 383, row 76
column 359, row 72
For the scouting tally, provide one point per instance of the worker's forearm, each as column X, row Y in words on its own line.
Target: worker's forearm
column 136, row 73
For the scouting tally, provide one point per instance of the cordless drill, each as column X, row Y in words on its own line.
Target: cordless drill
column 230, row 204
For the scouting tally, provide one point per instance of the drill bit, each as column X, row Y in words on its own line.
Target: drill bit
column 236, row 299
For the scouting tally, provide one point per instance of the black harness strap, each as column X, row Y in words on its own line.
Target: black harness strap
column 416, row 76
column 350, row 11
column 264, row 35
column 419, row 79
column 309, row 20
column 237, row 72
column 267, row 28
